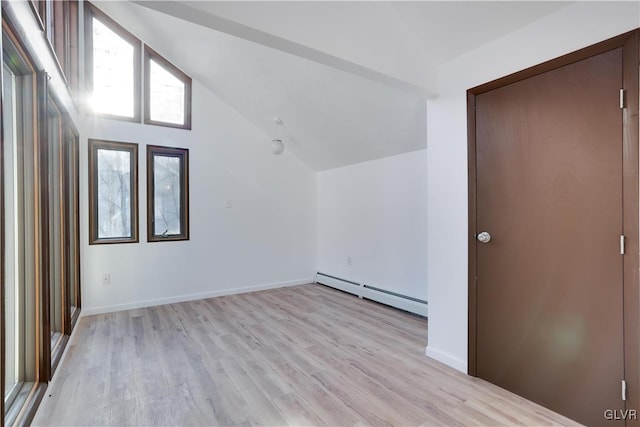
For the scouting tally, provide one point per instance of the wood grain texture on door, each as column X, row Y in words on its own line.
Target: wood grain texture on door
column 549, row 188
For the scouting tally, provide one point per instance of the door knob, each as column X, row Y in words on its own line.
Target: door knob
column 484, row 237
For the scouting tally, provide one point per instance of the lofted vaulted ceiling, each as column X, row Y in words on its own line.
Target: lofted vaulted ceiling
column 349, row 79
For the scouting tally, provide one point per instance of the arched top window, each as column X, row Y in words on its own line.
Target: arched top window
column 113, row 59
column 167, row 92
column 112, row 67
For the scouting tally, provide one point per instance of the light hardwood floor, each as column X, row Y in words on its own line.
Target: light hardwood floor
column 304, row 355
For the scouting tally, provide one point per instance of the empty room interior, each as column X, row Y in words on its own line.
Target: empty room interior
column 320, row 213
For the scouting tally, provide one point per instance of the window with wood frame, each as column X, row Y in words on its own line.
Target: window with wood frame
column 35, row 312
column 72, row 225
column 112, row 57
column 38, row 191
column 113, row 192
column 60, row 22
column 167, row 194
column 56, row 226
column 22, row 273
column 167, row 92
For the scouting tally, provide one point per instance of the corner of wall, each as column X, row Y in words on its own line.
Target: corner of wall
column 447, row 359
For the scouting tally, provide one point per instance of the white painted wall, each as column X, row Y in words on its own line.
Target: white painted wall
column 576, row 26
column 267, row 238
column 374, row 213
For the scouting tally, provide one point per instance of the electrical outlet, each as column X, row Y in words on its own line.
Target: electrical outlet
column 106, row 278
column 227, row 204
column 349, row 261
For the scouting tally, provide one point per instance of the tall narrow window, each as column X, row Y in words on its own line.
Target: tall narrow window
column 72, row 173
column 65, row 40
column 59, row 20
column 58, row 27
column 56, row 225
column 13, row 193
column 112, row 59
column 113, row 198
column 167, row 193
column 23, row 219
column 34, row 234
column 73, row 45
column 167, row 92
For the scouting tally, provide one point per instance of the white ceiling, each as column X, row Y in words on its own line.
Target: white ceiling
column 403, row 39
column 348, row 79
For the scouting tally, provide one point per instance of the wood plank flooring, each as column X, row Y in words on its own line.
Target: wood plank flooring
column 304, row 355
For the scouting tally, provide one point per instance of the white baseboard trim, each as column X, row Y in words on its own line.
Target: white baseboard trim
column 397, row 302
column 191, row 297
column 380, row 295
column 447, row 359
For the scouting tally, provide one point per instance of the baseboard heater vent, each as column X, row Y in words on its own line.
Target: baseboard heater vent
column 383, row 296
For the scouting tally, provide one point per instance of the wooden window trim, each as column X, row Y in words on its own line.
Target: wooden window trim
column 42, row 13
column 59, row 30
column 2, row 256
column 150, row 54
column 42, row 91
column 183, row 154
column 94, row 145
column 40, row 358
column 35, row 8
column 64, row 42
column 74, row 207
column 55, row 348
column 72, row 40
column 48, row 21
column 91, row 11
column 57, row 40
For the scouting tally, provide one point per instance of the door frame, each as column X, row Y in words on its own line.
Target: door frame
column 630, row 43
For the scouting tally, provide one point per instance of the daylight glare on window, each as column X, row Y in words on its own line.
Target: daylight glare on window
column 114, row 194
column 113, row 72
column 166, row 95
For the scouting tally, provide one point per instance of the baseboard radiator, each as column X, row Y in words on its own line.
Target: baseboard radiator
column 403, row 302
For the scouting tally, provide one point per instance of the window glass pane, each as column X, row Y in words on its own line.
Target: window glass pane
column 166, row 195
column 18, row 172
column 113, row 72
column 72, row 52
column 56, row 246
column 10, row 252
column 114, row 193
column 71, row 147
column 166, row 93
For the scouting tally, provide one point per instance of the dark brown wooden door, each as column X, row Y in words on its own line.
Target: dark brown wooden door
column 549, row 282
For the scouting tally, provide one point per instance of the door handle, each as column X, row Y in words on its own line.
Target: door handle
column 484, row 237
